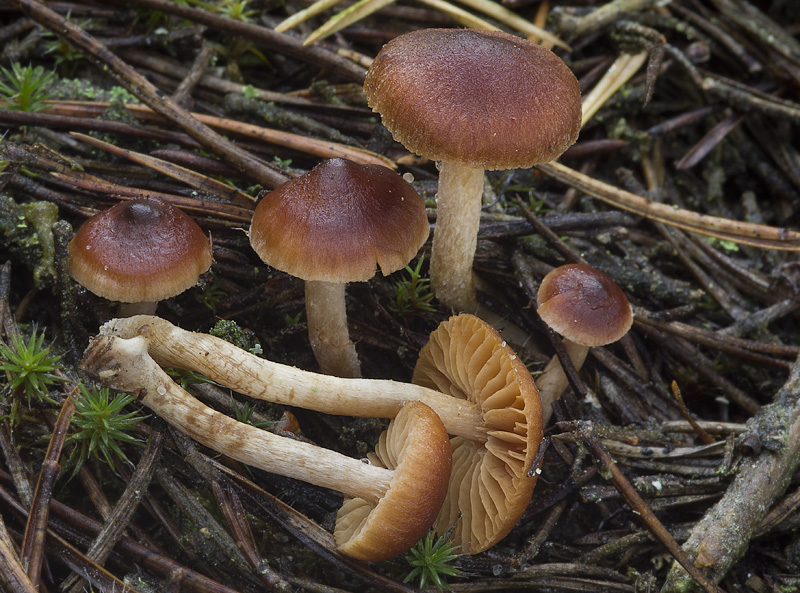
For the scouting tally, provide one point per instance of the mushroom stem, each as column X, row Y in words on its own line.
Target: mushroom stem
column 256, row 377
column 458, row 216
column 125, row 364
column 553, row 380
column 327, row 329
column 131, row 309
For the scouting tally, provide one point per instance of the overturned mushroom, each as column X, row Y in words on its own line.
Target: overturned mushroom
column 388, row 508
column 467, row 374
column 588, row 309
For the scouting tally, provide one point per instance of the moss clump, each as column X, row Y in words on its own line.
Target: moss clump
column 28, row 234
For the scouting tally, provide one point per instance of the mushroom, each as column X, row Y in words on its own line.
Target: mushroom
column 473, row 100
column 334, row 225
column 467, row 374
column 588, row 309
column 388, row 507
column 139, row 252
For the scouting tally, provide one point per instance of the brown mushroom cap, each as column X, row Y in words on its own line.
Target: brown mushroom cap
column 484, row 99
column 491, row 483
column 416, row 447
column 138, row 251
column 339, row 221
column 584, row 305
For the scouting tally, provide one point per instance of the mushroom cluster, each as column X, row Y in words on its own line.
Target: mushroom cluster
column 464, row 437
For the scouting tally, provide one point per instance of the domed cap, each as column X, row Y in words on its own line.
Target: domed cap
column 339, row 221
column 484, row 99
column 417, row 448
column 491, row 483
column 139, row 251
column 584, row 305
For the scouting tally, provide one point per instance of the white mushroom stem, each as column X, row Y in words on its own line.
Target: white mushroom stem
column 327, row 329
column 131, row 309
column 256, row 377
column 125, row 364
column 553, row 380
column 458, row 216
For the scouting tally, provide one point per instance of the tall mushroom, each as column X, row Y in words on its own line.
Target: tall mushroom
column 588, row 309
column 473, row 100
column 467, row 374
column 139, row 252
column 334, row 225
column 390, row 506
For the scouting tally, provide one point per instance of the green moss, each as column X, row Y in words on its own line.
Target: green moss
column 230, row 331
column 27, row 230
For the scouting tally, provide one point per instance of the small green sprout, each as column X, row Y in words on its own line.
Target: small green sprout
column 412, row 293
column 723, row 243
column 249, row 91
column 244, row 414
column 282, row 163
column 430, row 559
column 211, row 295
column 186, row 378
column 25, row 88
column 29, row 366
column 290, row 320
column 101, row 426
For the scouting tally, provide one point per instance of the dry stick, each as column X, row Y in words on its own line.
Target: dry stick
column 295, row 523
column 133, row 552
column 267, row 38
column 307, row 532
column 697, row 361
column 313, row 146
column 583, row 432
column 198, row 181
column 140, row 87
column 740, row 232
column 236, row 516
column 117, row 522
column 194, row 75
column 72, row 123
column 36, row 527
column 552, row 239
column 190, row 506
column 748, row 349
column 205, row 207
column 723, row 534
column 12, row 577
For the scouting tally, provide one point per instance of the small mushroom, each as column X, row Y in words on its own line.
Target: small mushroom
column 473, row 100
column 390, row 504
column 139, row 252
column 334, row 225
column 467, row 374
column 587, row 308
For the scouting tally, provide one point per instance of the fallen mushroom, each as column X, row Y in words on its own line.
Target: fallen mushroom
column 389, row 507
column 467, row 374
column 473, row 100
column 139, row 252
column 587, row 308
column 334, row 225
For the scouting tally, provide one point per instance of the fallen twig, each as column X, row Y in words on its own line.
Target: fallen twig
column 722, row 536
